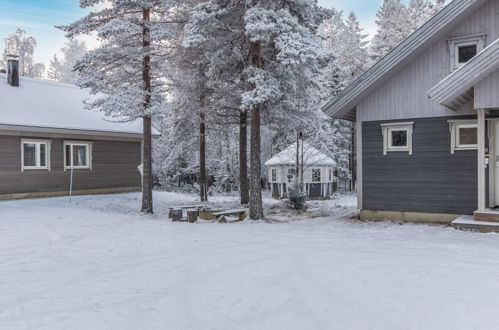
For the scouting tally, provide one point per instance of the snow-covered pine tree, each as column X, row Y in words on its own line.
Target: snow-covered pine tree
column 127, row 71
column 55, row 69
column 345, row 38
column 397, row 21
column 216, row 30
column 22, row 45
column 420, row 11
column 62, row 70
column 393, row 27
column 285, row 57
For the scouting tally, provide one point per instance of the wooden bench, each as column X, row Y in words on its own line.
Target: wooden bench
column 184, row 207
column 222, row 216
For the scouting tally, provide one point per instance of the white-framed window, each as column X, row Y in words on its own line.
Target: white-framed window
column 291, row 174
column 78, row 155
column 316, row 175
column 273, row 175
column 463, row 49
column 35, row 154
column 330, row 174
column 397, row 137
column 463, row 135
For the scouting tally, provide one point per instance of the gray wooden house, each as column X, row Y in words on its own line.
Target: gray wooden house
column 46, row 134
column 427, row 125
column 318, row 172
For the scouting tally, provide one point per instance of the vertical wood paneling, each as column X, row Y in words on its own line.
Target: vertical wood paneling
column 487, row 92
column 404, row 95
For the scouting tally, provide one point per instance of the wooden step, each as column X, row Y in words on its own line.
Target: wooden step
column 487, row 216
column 469, row 223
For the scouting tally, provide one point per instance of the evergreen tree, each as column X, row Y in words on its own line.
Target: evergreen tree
column 55, row 69
column 396, row 22
column 127, row 71
column 64, row 70
column 393, row 28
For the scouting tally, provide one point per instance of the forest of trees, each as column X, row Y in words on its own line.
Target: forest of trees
column 228, row 83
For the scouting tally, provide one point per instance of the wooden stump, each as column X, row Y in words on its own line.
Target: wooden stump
column 192, row 215
column 176, row 214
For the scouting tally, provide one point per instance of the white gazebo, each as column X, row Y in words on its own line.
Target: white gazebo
column 318, row 172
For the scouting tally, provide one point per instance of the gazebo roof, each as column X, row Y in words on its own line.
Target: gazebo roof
column 311, row 156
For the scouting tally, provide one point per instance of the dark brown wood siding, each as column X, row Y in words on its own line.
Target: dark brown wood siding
column 114, row 165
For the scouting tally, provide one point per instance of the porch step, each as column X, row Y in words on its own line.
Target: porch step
column 488, row 215
column 468, row 222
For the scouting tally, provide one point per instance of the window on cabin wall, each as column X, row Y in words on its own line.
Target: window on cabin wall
column 77, row 155
column 397, row 137
column 35, row 155
column 463, row 49
column 291, row 174
column 463, row 134
column 273, row 175
column 316, row 175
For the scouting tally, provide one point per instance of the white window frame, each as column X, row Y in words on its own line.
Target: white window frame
column 37, row 143
column 87, row 144
column 293, row 176
column 312, row 174
column 454, row 127
column 455, row 43
column 272, row 175
column 388, row 128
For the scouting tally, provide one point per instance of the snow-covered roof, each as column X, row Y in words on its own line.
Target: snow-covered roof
column 311, row 156
column 48, row 104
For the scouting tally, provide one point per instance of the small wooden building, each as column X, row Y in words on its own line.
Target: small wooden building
column 318, row 172
column 50, row 144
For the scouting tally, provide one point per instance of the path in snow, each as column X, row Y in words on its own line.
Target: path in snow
column 98, row 264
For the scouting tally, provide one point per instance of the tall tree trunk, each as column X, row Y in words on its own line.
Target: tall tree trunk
column 243, row 157
column 147, row 179
column 203, row 178
column 255, row 188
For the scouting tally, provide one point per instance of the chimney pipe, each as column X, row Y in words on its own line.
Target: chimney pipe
column 13, row 70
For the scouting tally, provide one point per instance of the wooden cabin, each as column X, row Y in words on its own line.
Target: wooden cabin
column 318, row 172
column 427, row 120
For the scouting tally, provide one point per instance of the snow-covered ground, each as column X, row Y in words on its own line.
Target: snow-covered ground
column 99, row 264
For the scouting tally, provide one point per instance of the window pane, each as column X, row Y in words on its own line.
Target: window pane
column 43, row 155
column 68, row 155
column 466, row 53
column 291, row 174
column 467, row 135
column 274, row 175
column 79, row 155
column 29, row 154
column 399, row 139
column 316, row 175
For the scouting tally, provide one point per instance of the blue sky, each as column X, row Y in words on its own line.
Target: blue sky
column 38, row 18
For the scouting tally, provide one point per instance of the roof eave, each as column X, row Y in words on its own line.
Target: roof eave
column 457, row 88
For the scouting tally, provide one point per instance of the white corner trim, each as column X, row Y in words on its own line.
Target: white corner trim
column 402, row 126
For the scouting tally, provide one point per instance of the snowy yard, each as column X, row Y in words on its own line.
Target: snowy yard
column 98, row 264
